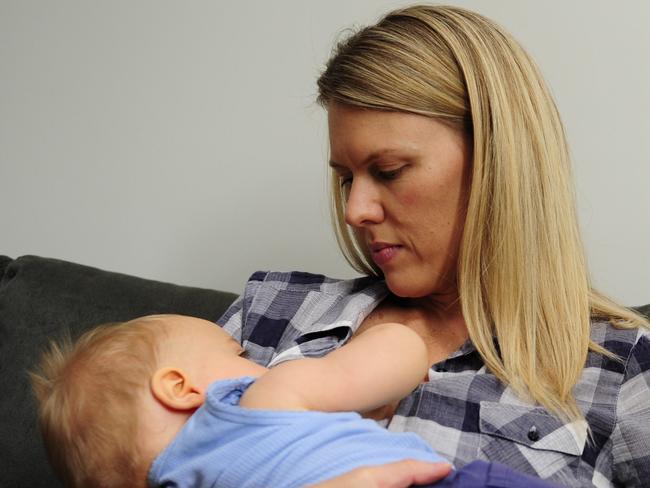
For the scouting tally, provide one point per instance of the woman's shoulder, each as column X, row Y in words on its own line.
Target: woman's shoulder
column 618, row 340
column 280, row 310
column 631, row 347
column 305, row 281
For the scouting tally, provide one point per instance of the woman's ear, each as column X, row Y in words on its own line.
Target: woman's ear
column 173, row 388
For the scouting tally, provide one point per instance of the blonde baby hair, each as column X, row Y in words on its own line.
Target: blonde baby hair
column 87, row 395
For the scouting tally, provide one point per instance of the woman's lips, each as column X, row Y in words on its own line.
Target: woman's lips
column 382, row 254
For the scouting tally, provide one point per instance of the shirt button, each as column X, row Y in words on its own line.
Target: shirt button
column 533, row 434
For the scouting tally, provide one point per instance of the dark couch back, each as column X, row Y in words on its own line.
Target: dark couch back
column 39, row 299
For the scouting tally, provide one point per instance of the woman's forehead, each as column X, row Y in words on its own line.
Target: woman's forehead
column 362, row 135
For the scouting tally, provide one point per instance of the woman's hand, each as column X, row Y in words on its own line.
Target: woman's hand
column 401, row 474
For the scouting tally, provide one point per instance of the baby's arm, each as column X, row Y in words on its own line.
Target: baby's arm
column 379, row 366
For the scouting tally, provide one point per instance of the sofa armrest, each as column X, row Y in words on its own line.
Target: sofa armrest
column 39, row 299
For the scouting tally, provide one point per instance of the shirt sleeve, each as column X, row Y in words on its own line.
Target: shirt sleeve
column 233, row 320
column 631, row 435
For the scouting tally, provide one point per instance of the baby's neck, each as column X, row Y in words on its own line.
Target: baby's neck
column 157, row 427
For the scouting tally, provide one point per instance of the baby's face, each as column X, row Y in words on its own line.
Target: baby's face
column 204, row 349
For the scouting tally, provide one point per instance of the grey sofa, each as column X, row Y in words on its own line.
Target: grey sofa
column 39, row 297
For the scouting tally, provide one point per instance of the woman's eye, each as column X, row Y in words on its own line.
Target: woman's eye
column 388, row 175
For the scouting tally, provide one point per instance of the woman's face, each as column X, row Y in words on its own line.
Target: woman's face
column 407, row 178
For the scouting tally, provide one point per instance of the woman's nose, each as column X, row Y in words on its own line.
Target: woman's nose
column 363, row 206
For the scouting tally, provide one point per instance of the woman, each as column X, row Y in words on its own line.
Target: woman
column 452, row 191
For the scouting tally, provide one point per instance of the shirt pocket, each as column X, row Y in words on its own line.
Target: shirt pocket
column 531, row 435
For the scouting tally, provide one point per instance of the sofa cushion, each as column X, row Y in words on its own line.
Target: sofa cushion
column 39, row 299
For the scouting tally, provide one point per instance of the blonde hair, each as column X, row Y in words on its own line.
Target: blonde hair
column 522, row 272
column 87, row 395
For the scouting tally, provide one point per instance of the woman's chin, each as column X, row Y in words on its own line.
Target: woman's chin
column 418, row 285
column 408, row 288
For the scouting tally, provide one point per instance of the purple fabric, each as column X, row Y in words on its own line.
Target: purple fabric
column 481, row 474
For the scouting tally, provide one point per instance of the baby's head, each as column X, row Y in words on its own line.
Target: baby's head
column 110, row 402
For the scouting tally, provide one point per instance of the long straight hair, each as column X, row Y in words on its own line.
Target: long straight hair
column 522, row 274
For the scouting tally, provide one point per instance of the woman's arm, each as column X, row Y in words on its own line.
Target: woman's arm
column 381, row 365
column 630, row 439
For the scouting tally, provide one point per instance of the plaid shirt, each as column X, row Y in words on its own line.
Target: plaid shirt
column 463, row 411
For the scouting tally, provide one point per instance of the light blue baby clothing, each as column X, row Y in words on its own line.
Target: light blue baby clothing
column 224, row 445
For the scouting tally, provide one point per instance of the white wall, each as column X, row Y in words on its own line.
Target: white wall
column 180, row 141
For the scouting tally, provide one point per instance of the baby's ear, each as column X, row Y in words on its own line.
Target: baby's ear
column 173, row 388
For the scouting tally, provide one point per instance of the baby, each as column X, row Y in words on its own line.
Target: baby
column 170, row 400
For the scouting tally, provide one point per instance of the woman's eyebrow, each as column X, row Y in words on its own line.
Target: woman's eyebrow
column 369, row 159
